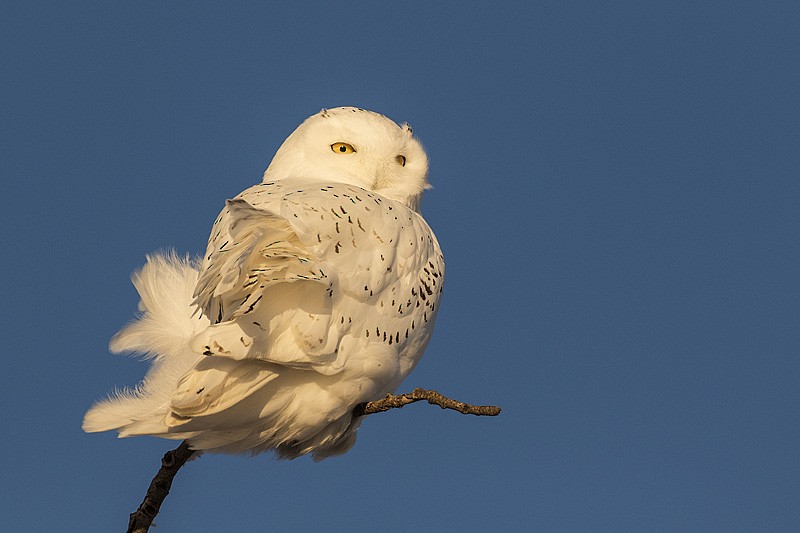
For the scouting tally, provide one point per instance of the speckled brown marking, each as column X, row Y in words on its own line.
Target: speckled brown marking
column 427, row 287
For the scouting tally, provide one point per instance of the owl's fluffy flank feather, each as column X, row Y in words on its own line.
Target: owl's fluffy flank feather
column 161, row 333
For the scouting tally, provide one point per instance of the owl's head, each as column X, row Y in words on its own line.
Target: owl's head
column 357, row 147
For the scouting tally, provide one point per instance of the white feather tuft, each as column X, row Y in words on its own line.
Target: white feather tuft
column 162, row 333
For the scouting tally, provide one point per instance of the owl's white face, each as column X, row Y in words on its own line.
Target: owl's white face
column 357, row 147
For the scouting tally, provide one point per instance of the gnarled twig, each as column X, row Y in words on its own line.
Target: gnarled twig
column 172, row 461
column 434, row 398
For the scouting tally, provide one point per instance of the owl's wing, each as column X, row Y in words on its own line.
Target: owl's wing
column 263, row 289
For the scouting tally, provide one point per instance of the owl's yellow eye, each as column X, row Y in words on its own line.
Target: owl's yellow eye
column 401, row 160
column 342, row 148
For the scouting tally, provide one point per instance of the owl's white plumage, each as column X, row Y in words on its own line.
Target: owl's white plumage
column 318, row 291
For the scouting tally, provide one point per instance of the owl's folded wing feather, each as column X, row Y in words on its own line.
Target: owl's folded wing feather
column 263, row 289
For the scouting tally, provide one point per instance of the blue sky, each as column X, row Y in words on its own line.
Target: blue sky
column 616, row 194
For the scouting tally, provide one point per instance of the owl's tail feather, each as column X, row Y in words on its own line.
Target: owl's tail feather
column 162, row 333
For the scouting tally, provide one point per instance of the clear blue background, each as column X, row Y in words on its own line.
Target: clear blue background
column 616, row 193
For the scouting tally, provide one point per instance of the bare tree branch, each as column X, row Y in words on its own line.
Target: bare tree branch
column 172, row 461
column 159, row 488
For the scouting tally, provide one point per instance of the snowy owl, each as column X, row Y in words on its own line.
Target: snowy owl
column 318, row 291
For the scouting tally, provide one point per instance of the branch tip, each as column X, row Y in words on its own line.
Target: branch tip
column 398, row 401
